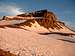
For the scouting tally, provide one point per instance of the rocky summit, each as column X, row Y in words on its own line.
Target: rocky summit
column 39, row 20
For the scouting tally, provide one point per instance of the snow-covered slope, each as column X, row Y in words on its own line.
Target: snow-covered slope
column 26, row 43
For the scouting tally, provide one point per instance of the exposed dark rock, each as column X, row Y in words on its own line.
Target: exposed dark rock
column 6, row 53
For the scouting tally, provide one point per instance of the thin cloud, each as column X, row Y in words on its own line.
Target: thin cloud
column 9, row 10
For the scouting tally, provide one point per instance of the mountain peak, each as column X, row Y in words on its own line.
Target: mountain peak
column 42, row 19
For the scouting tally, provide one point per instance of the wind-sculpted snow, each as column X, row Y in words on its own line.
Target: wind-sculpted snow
column 25, row 43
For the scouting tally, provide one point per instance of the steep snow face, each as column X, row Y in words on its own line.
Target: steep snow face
column 64, row 29
column 35, row 27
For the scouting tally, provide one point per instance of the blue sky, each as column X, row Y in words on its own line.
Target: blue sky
column 64, row 9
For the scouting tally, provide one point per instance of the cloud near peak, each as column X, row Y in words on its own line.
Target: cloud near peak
column 9, row 10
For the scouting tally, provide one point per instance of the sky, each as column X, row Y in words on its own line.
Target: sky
column 64, row 9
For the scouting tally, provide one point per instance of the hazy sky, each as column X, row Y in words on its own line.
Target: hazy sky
column 64, row 9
